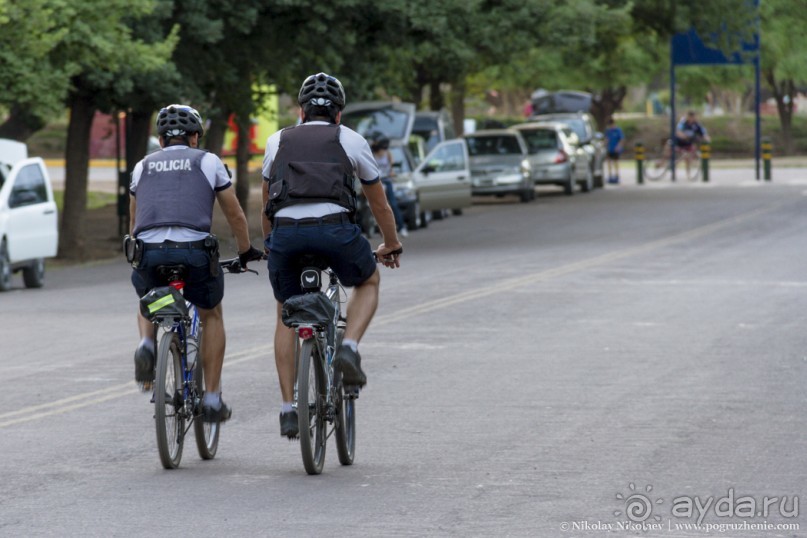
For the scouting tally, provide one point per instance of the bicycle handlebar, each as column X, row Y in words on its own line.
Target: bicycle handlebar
column 233, row 265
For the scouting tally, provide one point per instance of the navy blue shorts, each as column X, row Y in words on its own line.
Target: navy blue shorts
column 201, row 289
column 341, row 246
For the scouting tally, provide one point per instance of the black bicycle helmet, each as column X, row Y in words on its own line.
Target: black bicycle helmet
column 324, row 89
column 179, row 120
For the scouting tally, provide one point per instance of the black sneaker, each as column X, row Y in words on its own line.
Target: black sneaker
column 222, row 414
column 144, row 367
column 349, row 363
column 289, row 427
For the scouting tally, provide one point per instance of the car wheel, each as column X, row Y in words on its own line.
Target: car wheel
column 439, row 214
column 425, row 218
column 34, row 274
column 599, row 178
column 568, row 187
column 588, row 183
column 457, row 211
column 413, row 220
column 5, row 268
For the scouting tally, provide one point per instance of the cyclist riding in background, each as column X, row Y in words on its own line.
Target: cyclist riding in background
column 171, row 209
column 689, row 132
column 310, row 206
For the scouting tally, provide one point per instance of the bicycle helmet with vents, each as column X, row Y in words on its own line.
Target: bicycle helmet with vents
column 179, row 120
column 323, row 90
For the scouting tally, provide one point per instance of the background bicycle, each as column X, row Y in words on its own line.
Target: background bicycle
column 179, row 382
column 687, row 161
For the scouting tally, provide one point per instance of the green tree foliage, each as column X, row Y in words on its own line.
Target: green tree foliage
column 784, row 56
column 107, row 58
column 34, row 85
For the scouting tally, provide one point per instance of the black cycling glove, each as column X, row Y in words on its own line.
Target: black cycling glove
column 253, row 254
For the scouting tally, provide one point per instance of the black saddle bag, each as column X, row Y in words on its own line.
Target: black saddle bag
column 308, row 309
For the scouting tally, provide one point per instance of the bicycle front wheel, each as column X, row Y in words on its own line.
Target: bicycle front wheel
column 206, row 433
column 693, row 171
column 168, row 416
column 311, row 391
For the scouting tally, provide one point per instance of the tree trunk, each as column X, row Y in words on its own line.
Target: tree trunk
column 784, row 93
column 214, row 137
column 137, row 139
column 20, row 124
column 605, row 103
column 77, row 160
column 458, row 105
column 242, row 164
column 436, row 101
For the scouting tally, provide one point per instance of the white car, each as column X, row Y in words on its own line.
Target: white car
column 28, row 218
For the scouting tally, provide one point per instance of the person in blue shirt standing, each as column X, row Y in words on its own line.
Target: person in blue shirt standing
column 616, row 142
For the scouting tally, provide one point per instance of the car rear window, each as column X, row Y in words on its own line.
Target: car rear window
column 387, row 121
column 538, row 139
column 493, row 145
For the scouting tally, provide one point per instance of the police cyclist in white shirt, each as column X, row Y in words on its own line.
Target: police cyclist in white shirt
column 310, row 207
column 171, row 209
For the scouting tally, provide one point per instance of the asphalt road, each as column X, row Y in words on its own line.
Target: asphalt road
column 568, row 367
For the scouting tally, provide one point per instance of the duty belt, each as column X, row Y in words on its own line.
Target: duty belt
column 175, row 244
column 333, row 218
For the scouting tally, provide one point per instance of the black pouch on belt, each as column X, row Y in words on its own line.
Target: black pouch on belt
column 133, row 248
column 212, row 247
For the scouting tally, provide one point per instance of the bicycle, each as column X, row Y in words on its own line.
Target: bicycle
column 179, row 382
column 658, row 163
column 324, row 406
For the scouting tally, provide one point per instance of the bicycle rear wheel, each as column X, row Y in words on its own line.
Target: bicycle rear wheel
column 311, row 390
column 657, row 164
column 168, row 416
column 345, row 427
column 206, row 433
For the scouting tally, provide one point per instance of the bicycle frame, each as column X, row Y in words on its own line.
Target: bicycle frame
column 325, row 341
column 185, row 328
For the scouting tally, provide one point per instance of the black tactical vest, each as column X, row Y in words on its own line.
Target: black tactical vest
column 173, row 191
column 310, row 167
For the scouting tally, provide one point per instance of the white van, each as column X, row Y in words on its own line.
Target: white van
column 29, row 230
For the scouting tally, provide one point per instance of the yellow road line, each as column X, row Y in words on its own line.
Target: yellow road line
column 118, row 391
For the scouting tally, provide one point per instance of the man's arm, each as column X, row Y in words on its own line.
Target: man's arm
column 235, row 217
column 382, row 212
column 132, row 212
column 266, row 226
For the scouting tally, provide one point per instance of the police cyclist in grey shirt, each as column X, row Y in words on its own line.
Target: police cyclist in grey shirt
column 310, row 209
column 171, row 210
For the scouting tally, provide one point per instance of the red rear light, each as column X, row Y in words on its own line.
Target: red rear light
column 561, row 157
column 178, row 284
column 305, row 333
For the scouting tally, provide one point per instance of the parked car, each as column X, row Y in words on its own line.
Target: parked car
column 28, row 220
column 440, row 180
column 433, row 127
column 590, row 140
column 500, row 164
column 443, row 180
column 556, row 156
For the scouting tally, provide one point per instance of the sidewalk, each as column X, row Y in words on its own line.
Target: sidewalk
column 791, row 170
